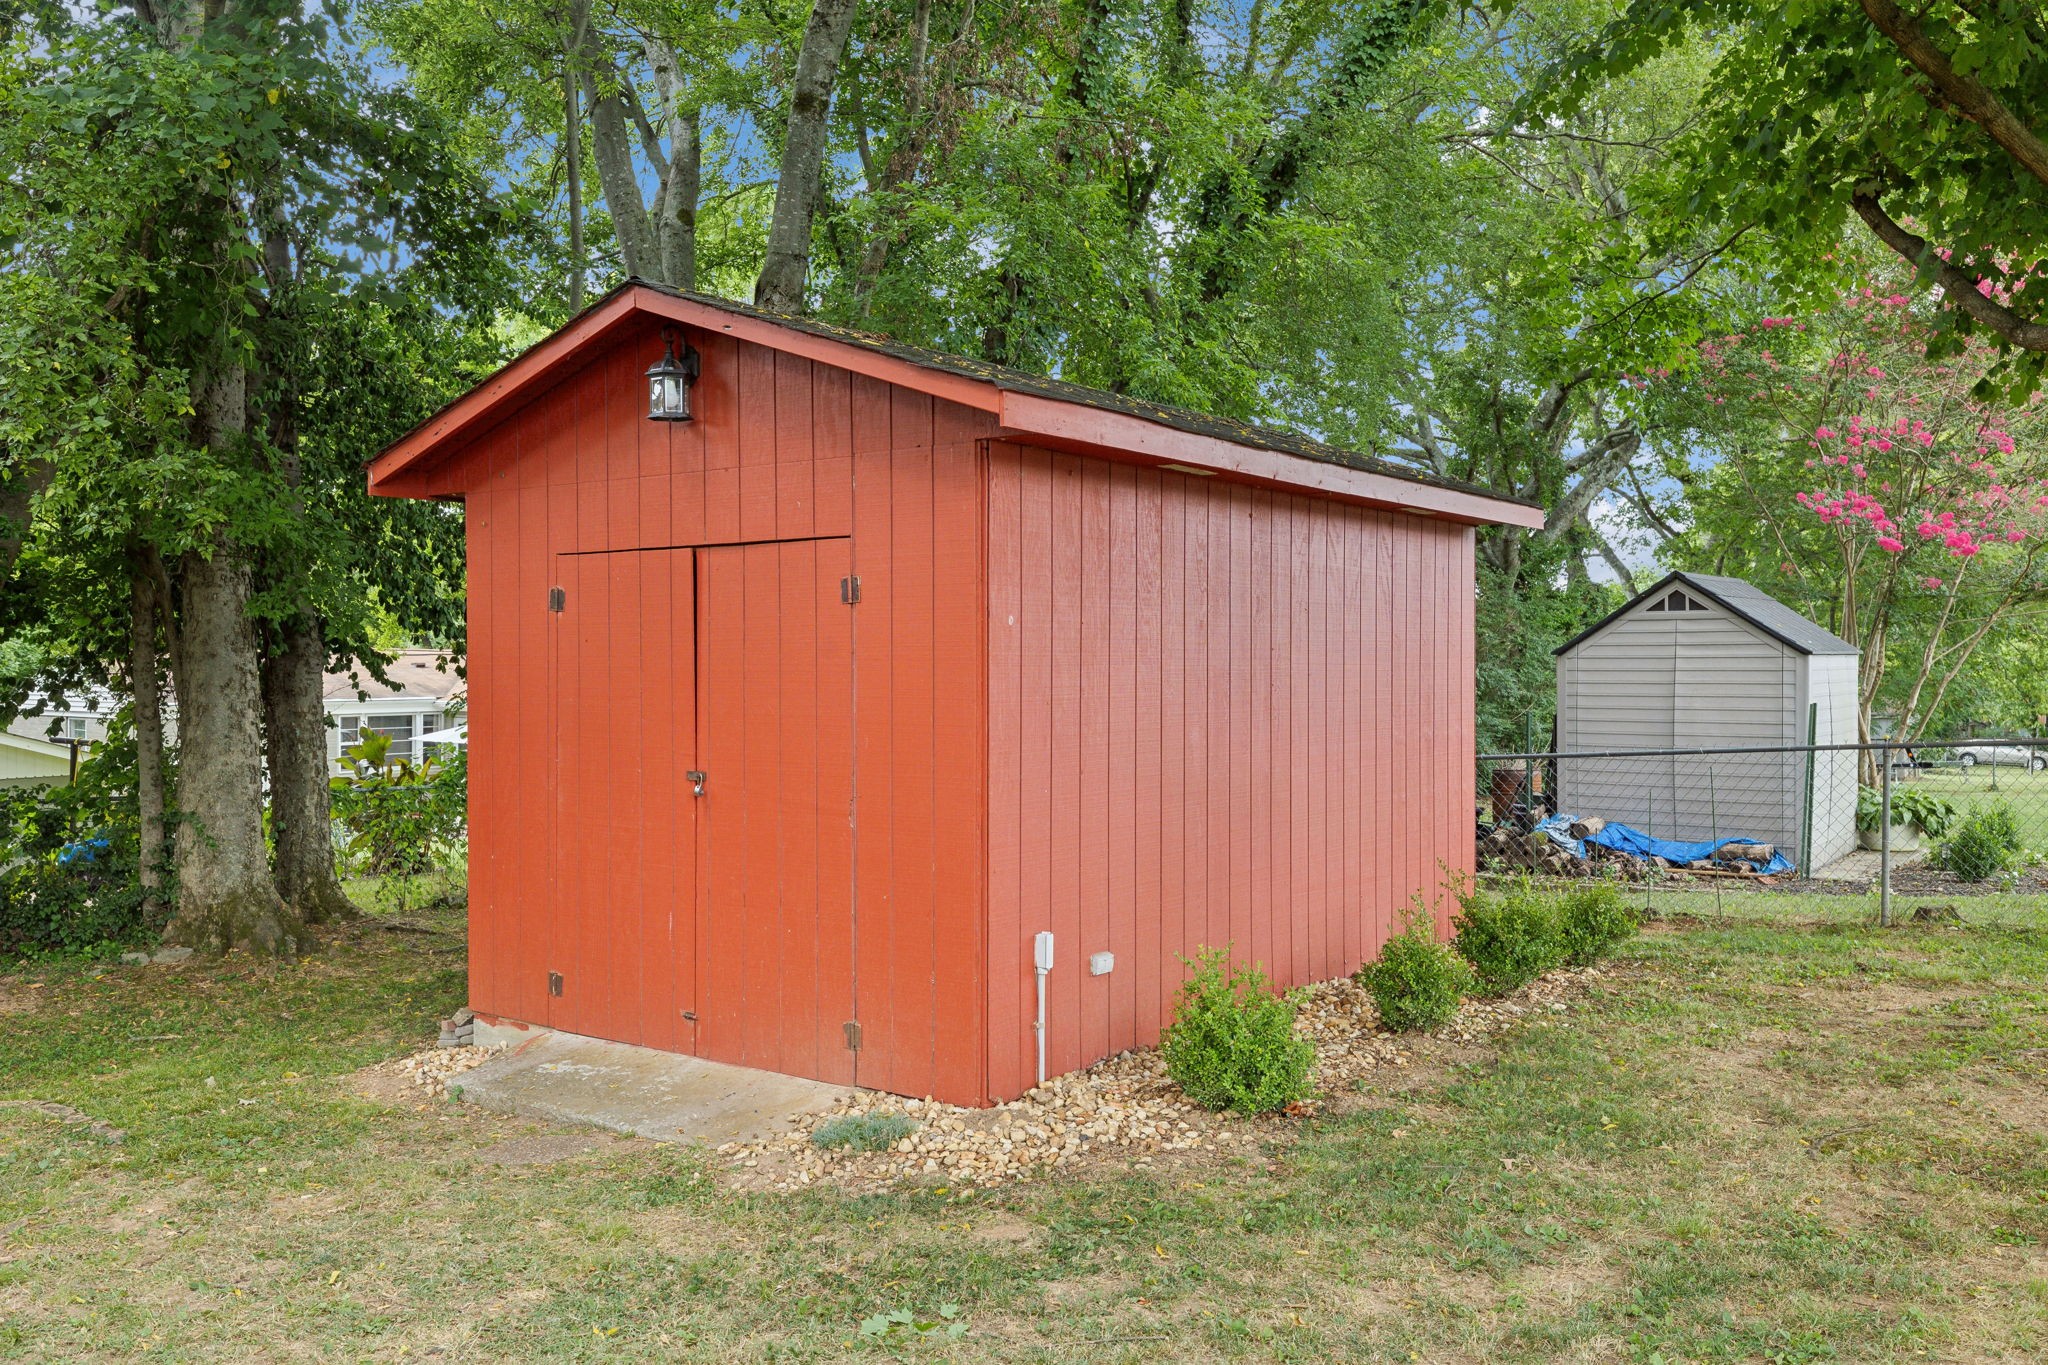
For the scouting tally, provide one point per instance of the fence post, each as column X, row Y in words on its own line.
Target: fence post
column 1714, row 829
column 1650, row 821
column 1884, row 838
column 1806, row 824
column 1529, row 766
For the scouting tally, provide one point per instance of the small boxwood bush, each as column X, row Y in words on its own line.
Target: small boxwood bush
column 863, row 1132
column 1232, row 1043
column 1593, row 920
column 1985, row 843
column 1510, row 938
column 1416, row 982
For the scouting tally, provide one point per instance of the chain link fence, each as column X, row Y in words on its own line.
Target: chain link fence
column 1887, row 830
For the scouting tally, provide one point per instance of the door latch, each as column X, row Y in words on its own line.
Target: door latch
column 696, row 777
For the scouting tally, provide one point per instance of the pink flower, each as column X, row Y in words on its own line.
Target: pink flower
column 1888, row 543
column 1930, row 583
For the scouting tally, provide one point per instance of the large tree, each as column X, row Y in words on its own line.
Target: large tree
column 1924, row 124
column 175, row 332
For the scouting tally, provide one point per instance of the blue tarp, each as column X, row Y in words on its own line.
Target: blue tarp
column 1624, row 839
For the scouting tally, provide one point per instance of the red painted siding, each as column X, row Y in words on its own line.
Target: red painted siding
column 1216, row 714
column 1143, row 710
column 785, row 449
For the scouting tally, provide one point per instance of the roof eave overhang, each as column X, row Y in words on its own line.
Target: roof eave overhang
column 404, row 468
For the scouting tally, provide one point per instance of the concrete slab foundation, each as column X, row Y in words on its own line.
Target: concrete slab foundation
column 567, row 1078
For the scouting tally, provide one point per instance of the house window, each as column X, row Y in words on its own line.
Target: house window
column 68, row 729
column 398, row 728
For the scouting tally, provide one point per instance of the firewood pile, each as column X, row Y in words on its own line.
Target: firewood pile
column 1505, row 849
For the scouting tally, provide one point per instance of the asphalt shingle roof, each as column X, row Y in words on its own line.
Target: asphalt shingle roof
column 1745, row 600
column 1020, row 381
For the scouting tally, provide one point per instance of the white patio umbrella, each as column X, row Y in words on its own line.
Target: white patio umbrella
column 455, row 734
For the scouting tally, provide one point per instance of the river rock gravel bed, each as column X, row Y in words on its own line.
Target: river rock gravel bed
column 1125, row 1107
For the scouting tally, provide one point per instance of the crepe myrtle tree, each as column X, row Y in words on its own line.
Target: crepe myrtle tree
column 1905, row 511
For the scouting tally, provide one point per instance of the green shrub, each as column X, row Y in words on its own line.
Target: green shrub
column 396, row 815
column 1593, row 920
column 69, row 875
column 863, row 1132
column 1910, row 806
column 1510, row 939
column 1416, row 982
column 1986, row 842
column 1232, row 1043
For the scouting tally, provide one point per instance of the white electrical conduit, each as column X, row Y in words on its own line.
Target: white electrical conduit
column 1042, row 956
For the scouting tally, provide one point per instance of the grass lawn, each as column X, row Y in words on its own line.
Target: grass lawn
column 1762, row 1140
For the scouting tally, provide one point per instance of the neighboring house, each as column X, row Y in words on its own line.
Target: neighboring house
column 78, row 716
column 1132, row 678
column 427, row 697
column 27, row 762
column 1704, row 662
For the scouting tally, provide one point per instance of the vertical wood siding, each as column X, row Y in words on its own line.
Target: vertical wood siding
column 783, row 449
column 1216, row 714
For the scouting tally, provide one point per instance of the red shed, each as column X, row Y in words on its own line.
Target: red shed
column 963, row 656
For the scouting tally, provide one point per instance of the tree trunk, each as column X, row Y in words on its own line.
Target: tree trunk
column 226, row 898
column 572, row 157
column 799, row 185
column 149, row 734
column 611, row 142
column 295, row 728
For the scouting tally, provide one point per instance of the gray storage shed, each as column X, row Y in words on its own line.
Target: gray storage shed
column 1704, row 662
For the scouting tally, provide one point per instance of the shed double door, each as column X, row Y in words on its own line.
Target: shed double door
column 719, row 924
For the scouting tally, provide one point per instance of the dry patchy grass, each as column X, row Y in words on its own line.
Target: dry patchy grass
column 1754, row 1142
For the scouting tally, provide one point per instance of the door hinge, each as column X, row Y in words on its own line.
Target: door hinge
column 853, row 1035
column 554, row 983
column 557, row 599
column 849, row 590
column 690, row 1015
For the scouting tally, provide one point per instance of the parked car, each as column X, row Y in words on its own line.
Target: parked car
column 2005, row 755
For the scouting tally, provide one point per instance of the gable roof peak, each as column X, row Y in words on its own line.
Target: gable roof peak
column 1741, row 599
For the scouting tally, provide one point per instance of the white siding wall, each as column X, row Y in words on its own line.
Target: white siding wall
column 1615, row 692
column 1831, row 682
column 1736, row 688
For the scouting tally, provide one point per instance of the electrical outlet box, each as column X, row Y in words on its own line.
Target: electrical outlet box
column 1101, row 964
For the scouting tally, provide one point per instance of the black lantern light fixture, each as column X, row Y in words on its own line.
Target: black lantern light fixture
column 669, row 380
